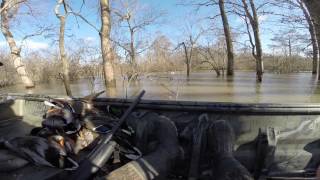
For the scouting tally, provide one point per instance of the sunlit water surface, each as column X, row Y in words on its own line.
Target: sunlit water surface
column 201, row 86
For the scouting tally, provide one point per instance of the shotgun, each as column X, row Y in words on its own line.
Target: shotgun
column 100, row 155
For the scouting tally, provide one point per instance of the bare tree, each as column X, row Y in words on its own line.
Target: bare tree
column 313, row 6
column 189, row 44
column 134, row 18
column 315, row 48
column 252, row 15
column 291, row 18
column 188, row 54
column 160, row 52
column 228, row 38
column 65, row 64
column 187, row 57
column 212, row 54
column 106, row 47
column 226, row 28
column 290, row 43
column 209, row 58
column 105, row 39
column 8, row 10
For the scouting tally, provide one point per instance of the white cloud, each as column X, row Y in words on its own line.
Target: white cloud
column 89, row 39
column 28, row 44
column 3, row 43
column 239, row 20
column 34, row 45
column 263, row 18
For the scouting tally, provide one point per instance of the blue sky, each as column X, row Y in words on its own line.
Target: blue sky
column 173, row 23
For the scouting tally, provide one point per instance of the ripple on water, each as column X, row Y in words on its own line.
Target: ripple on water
column 201, row 86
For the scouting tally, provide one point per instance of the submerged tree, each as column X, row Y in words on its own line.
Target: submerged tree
column 193, row 36
column 105, row 38
column 214, row 54
column 64, row 60
column 188, row 55
column 9, row 9
column 160, row 53
column 289, row 44
column 252, row 15
column 133, row 18
column 226, row 28
column 249, row 14
column 106, row 47
column 289, row 41
column 297, row 20
column 228, row 38
column 313, row 7
column 315, row 48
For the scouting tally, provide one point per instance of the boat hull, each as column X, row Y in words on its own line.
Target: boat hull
column 272, row 139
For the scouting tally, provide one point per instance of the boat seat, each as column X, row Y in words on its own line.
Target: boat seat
column 31, row 172
column 14, row 126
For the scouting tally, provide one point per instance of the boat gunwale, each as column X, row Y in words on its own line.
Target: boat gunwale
column 194, row 106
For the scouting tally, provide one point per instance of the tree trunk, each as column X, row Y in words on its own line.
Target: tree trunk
column 15, row 51
column 228, row 38
column 254, row 21
column 132, row 50
column 290, row 47
column 64, row 60
column 255, row 27
column 106, row 48
column 187, row 59
column 218, row 72
column 313, row 6
column 315, row 49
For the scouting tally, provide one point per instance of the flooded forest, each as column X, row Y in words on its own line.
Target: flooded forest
column 254, row 51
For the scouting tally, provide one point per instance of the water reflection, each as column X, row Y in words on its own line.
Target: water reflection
column 202, row 86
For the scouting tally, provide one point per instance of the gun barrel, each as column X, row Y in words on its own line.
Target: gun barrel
column 104, row 149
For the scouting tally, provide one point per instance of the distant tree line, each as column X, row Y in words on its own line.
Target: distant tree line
column 126, row 49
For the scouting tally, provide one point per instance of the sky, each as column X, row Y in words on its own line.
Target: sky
column 173, row 23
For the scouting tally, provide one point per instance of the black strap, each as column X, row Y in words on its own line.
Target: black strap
column 266, row 145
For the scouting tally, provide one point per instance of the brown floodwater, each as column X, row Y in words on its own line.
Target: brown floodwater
column 201, row 86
